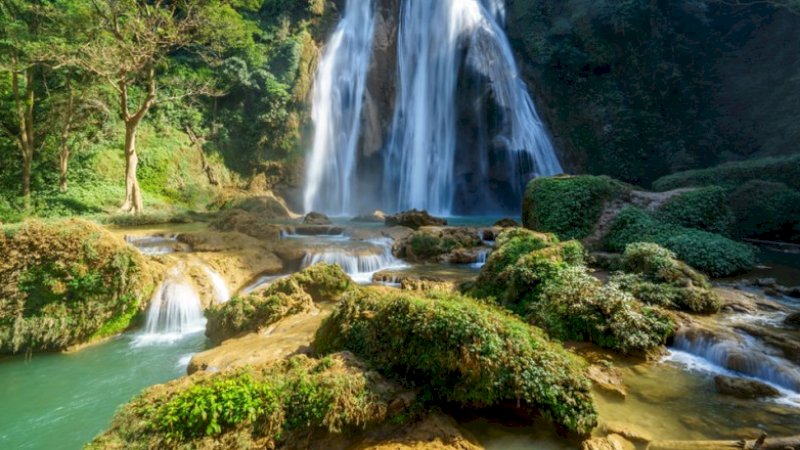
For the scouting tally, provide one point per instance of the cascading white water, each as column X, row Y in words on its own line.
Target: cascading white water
column 175, row 311
column 359, row 265
column 336, row 110
column 419, row 169
column 483, row 254
column 221, row 292
column 435, row 40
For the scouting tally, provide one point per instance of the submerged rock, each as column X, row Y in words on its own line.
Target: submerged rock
column 744, row 388
column 414, row 219
column 315, row 218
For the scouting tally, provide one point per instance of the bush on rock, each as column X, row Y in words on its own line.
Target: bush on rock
column 67, row 283
column 704, row 209
column 284, row 297
column 461, row 351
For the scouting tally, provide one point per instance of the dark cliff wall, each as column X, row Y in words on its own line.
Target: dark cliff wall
column 640, row 88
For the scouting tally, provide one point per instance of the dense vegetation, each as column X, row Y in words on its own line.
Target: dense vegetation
column 184, row 90
column 637, row 90
column 462, row 352
column 67, row 283
column 257, row 407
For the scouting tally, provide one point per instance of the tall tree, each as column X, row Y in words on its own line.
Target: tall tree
column 130, row 45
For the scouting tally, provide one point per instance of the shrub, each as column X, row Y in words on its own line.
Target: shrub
column 429, row 244
column 65, row 283
column 568, row 206
column 767, row 210
column 732, row 175
column 704, row 209
column 284, row 297
column 257, row 407
column 710, row 253
column 461, row 351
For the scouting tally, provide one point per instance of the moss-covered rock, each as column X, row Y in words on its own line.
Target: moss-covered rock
column 568, row 206
column 68, row 283
column 706, row 209
column 655, row 276
column 766, row 210
column 710, row 253
column 436, row 244
column 546, row 282
column 284, row 297
column 280, row 404
column 732, row 175
column 461, row 351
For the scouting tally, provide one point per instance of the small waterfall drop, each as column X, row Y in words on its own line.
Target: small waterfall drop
column 221, row 292
column 336, row 110
column 483, row 254
column 356, row 263
column 175, row 311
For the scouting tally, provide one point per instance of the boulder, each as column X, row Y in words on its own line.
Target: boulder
column 506, row 222
column 247, row 223
column 376, row 216
column 414, row 219
column 744, row 388
column 440, row 244
column 315, row 218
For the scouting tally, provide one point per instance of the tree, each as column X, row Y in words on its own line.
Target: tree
column 129, row 47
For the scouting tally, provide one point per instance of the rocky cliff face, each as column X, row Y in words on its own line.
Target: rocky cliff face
column 640, row 89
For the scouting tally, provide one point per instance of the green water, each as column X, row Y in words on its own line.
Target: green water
column 61, row 401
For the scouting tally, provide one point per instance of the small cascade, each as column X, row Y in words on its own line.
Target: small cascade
column 175, row 312
column 221, row 292
column 483, row 254
column 740, row 355
column 356, row 263
column 154, row 245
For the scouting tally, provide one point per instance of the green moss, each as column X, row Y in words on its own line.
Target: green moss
column 732, row 175
column 430, row 244
column 67, row 283
column 461, row 351
column 258, row 407
column 710, row 253
column 705, row 209
column 766, row 210
column 568, row 206
column 284, row 297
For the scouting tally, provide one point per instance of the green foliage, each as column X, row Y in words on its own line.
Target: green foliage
column 430, row 244
column 705, row 209
column 767, row 210
column 66, row 283
column 710, row 253
column 258, row 407
column 461, row 351
column 655, row 276
column 284, row 297
column 734, row 174
column 568, row 206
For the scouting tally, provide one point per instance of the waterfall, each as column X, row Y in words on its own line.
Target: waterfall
column 359, row 265
column 436, row 41
column 221, row 292
column 336, row 110
column 175, row 311
column 483, row 254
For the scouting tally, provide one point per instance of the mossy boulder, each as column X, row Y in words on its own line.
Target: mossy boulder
column 706, row 209
column 436, row 244
column 732, row 175
column 283, row 404
column 463, row 352
column 414, row 219
column 247, row 223
column 766, row 210
column 67, row 283
column 569, row 206
column 710, row 253
column 284, row 297
column 655, row 276
column 545, row 281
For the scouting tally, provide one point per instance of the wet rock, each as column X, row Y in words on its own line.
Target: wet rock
column 414, row 282
column 775, row 338
column 765, row 283
column 267, row 206
column 377, row 216
column 611, row 442
column 315, row 218
column 744, row 388
column 793, row 319
column 507, row 222
column 247, row 223
column 432, row 432
column 467, row 255
column 414, row 219
column 315, row 230
column 793, row 291
column 607, row 379
column 630, row 432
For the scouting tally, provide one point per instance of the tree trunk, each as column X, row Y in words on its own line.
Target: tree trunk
column 64, row 154
column 133, row 195
column 24, row 106
column 63, row 166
